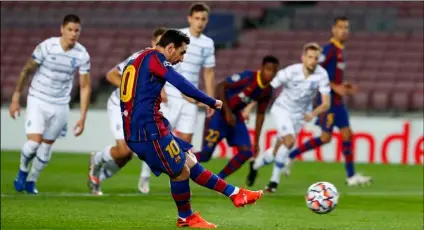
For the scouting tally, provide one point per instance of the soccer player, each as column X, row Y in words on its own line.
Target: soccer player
column 149, row 135
column 55, row 61
column 292, row 108
column 237, row 92
column 180, row 110
column 106, row 163
column 333, row 60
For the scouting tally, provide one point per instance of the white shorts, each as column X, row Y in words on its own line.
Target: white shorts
column 50, row 120
column 115, row 119
column 181, row 114
column 285, row 122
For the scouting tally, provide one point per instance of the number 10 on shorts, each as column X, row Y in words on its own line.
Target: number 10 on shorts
column 173, row 149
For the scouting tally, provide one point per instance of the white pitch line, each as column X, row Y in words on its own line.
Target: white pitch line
column 65, row 194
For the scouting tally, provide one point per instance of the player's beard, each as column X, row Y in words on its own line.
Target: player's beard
column 311, row 69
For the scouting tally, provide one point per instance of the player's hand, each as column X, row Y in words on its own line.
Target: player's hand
column 351, row 88
column 14, row 109
column 209, row 111
column 245, row 114
column 230, row 118
column 79, row 127
column 218, row 104
column 308, row 117
column 341, row 90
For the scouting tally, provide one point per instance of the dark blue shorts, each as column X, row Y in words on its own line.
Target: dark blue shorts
column 336, row 116
column 216, row 128
column 165, row 155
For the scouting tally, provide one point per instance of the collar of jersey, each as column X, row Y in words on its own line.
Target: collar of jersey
column 336, row 43
column 258, row 79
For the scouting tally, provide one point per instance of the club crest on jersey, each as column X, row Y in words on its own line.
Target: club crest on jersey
column 235, row 77
column 313, row 85
column 244, row 98
column 341, row 65
column 73, row 62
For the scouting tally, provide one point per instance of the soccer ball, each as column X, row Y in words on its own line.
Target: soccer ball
column 322, row 197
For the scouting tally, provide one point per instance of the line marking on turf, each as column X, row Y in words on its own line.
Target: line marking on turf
column 162, row 194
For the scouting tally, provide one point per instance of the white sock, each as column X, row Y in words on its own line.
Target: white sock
column 145, row 170
column 29, row 149
column 109, row 168
column 263, row 159
column 42, row 158
column 236, row 191
column 279, row 163
column 101, row 157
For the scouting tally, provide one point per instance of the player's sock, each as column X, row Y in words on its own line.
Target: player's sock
column 28, row 152
column 347, row 152
column 264, row 159
column 235, row 163
column 209, row 180
column 42, row 158
column 145, row 170
column 180, row 191
column 99, row 157
column 109, row 167
column 279, row 163
column 310, row 144
column 203, row 156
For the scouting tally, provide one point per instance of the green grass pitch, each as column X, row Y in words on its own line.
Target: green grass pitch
column 394, row 201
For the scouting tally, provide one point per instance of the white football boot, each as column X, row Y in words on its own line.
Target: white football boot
column 358, row 180
column 93, row 177
column 143, row 185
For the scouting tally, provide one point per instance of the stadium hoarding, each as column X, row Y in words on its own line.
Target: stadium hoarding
column 377, row 140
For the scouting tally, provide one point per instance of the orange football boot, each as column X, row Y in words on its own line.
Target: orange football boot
column 194, row 221
column 245, row 197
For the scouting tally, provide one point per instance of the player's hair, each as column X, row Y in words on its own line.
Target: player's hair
column 270, row 59
column 71, row 18
column 339, row 18
column 312, row 46
column 173, row 36
column 158, row 32
column 198, row 7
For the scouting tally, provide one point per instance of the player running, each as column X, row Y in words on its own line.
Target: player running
column 180, row 110
column 292, row 108
column 332, row 59
column 148, row 133
column 106, row 163
column 237, row 92
column 55, row 61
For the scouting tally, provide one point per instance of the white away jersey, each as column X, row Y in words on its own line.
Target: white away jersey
column 200, row 53
column 114, row 97
column 54, row 77
column 299, row 91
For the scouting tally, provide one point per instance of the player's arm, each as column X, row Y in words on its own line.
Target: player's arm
column 28, row 69
column 248, row 109
column 260, row 118
column 164, row 70
column 114, row 76
column 325, row 58
column 280, row 79
column 85, row 95
column 220, row 91
column 324, row 89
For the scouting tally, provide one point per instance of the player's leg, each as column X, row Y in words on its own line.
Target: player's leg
column 213, row 132
column 56, row 121
column 143, row 182
column 237, row 136
column 342, row 122
column 34, row 129
column 326, row 123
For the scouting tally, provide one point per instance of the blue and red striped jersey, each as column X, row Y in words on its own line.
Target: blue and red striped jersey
column 333, row 60
column 142, row 81
column 246, row 87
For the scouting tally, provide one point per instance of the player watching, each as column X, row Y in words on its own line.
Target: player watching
column 332, row 59
column 292, row 108
column 149, row 134
column 106, row 163
column 55, row 61
column 180, row 110
column 236, row 92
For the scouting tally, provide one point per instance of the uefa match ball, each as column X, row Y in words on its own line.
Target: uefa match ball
column 322, row 197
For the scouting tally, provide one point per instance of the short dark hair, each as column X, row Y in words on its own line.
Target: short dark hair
column 158, row 32
column 339, row 18
column 71, row 18
column 173, row 36
column 198, row 7
column 270, row 59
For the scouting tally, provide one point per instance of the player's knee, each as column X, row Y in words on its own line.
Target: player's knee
column 184, row 174
column 35, row 138
column 124, row 151
column 346, row 134
column 30, row 147
column 325, row 137
column 288, row 141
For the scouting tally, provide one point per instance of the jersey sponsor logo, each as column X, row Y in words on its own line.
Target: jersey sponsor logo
column 125, row 113
column 235, row 77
